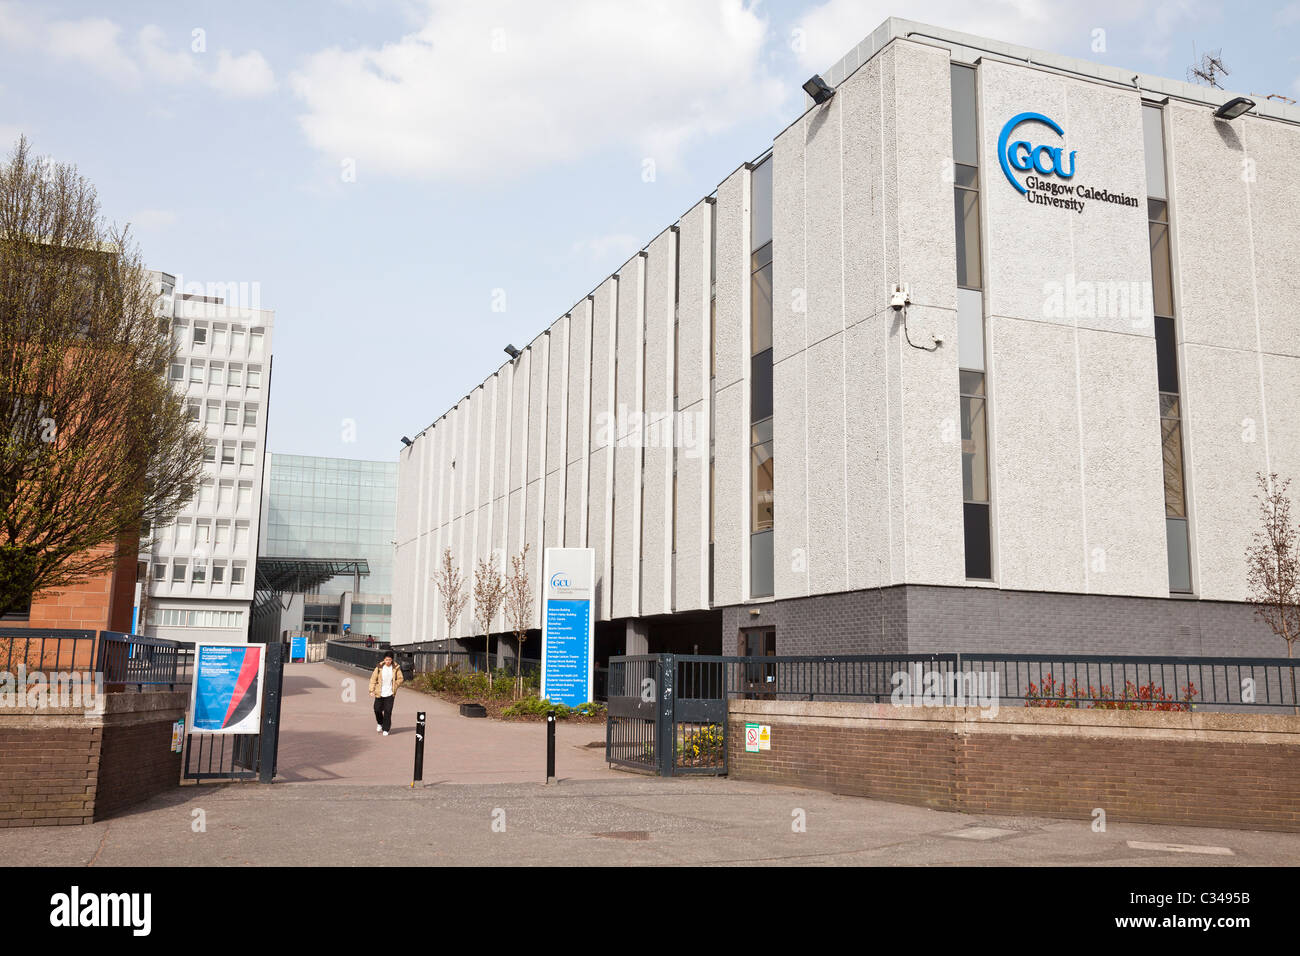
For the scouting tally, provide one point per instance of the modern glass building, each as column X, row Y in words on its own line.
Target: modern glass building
column 984, row 354
column 323, row 511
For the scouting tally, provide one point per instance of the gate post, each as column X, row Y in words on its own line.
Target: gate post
column 269, row 739
column 666, row 722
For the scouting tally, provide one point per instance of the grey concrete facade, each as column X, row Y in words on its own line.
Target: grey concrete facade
column 916, row 619
column 559, row 447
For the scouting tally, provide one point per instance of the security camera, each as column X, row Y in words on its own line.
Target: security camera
column 899, row 298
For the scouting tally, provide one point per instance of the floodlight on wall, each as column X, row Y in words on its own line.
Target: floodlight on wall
column 406, row 441
column 818, row 90
column 512, row 352
column 1234, row 108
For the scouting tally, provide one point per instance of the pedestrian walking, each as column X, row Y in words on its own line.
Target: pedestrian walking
column 384, row 681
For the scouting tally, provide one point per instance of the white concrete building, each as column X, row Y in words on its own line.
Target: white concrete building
column 1049, row 444
column 201, row 569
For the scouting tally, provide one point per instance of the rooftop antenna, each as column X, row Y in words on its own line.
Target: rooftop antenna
column 1208, row 70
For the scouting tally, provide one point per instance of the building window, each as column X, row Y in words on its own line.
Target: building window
column 196, row 373
column 236, row 574
column 972, row 383
column 223, row 533
column 219, row 338
column 236, row 377
column 200, row 575
column 214, row 413
column 210, row 452
column 215, row 375
column 761, row 465
column 227, row 453
column 193, row 410
column 250, row 415
column 254, row 377
column 178, row 372
column 178, row 572
column 200, row 335
column 1177, row 540
column 232, row 414
column 255, row 341
column 247, row 454
column 237, row 339
column 218, row 574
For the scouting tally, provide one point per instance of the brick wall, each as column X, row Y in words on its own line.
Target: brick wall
column 920, row 619
column 101, row 603
column 63, row 766
column 1200, row 769
column 48, row 770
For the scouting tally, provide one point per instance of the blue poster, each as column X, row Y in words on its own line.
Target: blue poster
column 226, row 696
column 298, row 648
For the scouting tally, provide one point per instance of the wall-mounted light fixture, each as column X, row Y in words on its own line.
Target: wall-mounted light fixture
column 816, row 88
column 406, row 441
column 512, row 352
column 1234, row 108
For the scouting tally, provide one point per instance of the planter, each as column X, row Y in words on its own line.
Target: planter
column 473, row 710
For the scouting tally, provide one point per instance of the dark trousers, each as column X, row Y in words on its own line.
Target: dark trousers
column 384, row 712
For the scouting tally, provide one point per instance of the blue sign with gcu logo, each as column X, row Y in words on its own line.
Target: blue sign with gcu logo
column 1024, row 156
column 560, row 580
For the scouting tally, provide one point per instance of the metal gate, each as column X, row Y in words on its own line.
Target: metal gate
column 243, row 756
column 667, row 715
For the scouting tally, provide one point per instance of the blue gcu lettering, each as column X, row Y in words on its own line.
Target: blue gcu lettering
column 1024, row 156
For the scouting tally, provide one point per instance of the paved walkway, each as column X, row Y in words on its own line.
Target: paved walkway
column 628, row 821
column 327, row 739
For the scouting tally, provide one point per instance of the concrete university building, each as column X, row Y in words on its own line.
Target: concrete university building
column 197, row 576
column 984, row 355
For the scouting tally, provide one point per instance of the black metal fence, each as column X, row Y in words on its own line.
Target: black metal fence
column 667, row 713
column 128, row 659
column 46, row 649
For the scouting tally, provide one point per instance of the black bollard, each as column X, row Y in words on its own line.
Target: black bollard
column 419, row 749
column 550, row 747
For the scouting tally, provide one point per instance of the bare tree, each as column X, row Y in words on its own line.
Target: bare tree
column 1272, row 568
column 519, row 606
column 451, row 586
column 489, row 592
column 95, row 445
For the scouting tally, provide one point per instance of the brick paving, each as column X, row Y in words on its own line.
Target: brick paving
column 327, row 739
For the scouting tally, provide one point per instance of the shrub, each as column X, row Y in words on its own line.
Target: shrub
column 702, row 746
column 540, row 707
column 1134, row 696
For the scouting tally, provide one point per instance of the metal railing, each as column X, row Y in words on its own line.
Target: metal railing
column 129, row 659
column 356, row 654
column 668, row 712
column 1076, row 680
column 46, row 649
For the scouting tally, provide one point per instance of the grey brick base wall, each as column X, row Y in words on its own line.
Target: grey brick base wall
column 917, row 619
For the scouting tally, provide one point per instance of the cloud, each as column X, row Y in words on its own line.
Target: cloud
column 247, row 75
column 103, row 46
column 831, row 29
column 92, row 42
column 490, row 90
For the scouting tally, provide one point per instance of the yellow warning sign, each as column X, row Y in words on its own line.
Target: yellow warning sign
column 764, row 737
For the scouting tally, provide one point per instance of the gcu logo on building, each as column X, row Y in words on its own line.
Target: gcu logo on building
column 1024, row 156
column 560, row 580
